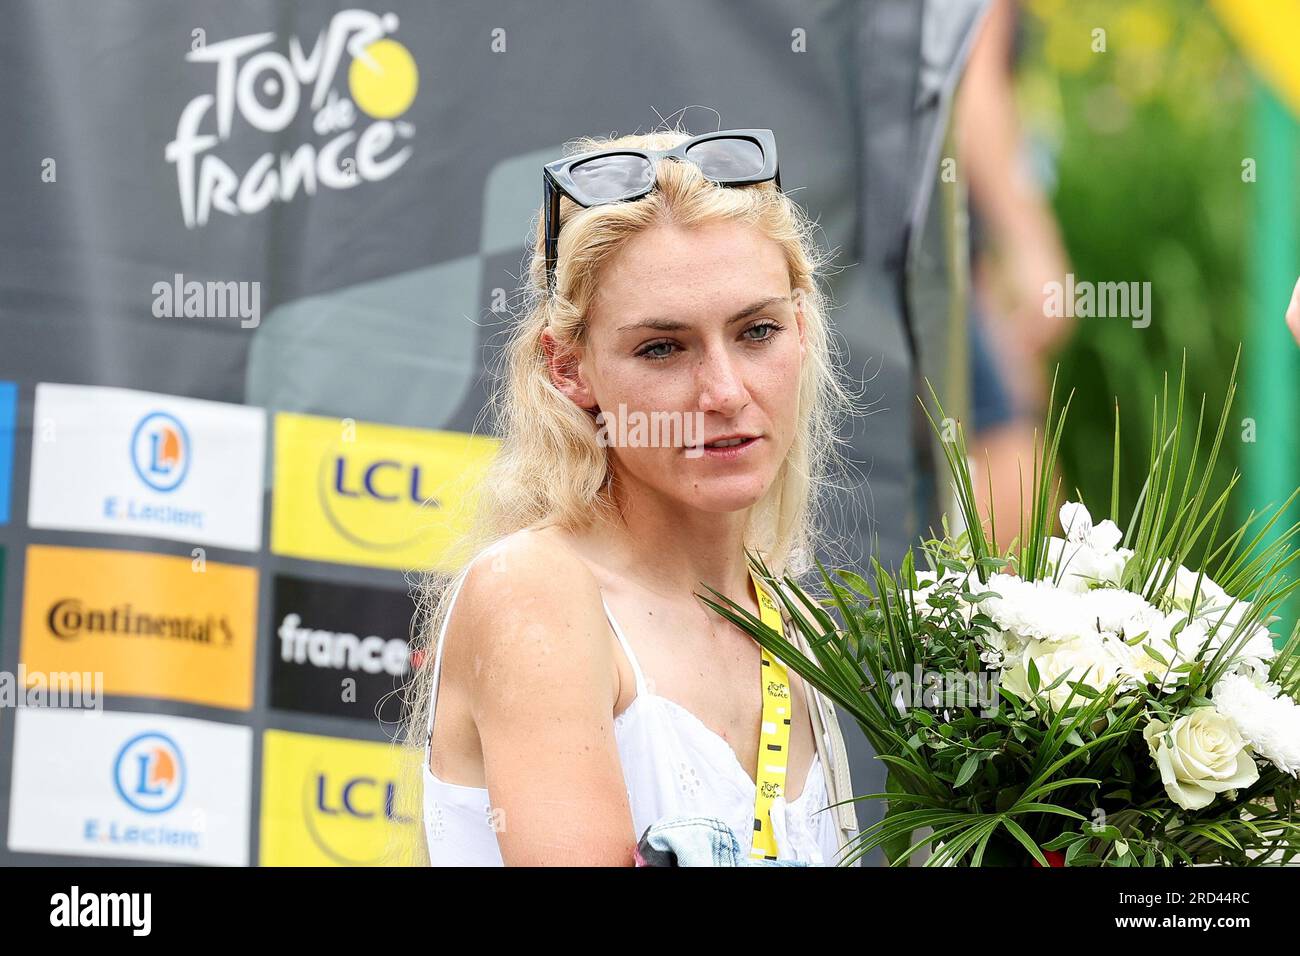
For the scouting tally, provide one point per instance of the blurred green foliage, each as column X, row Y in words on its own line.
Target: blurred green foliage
column 1146, row 141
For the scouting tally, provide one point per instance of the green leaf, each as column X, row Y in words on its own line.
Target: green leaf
column 1025, row 840
column 1152, row 652
column 967, row 771
column 1063, row 840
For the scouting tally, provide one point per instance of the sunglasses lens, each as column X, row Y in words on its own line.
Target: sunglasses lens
column 607, row 178
column 724, row 159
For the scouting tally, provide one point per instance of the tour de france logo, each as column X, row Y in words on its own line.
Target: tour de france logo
column 160, row 451
column 149, row 773
column 260, row 87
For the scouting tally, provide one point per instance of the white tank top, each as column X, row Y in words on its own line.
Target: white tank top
column 673, row 764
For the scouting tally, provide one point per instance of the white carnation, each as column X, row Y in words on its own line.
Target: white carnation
column 1113, row 608
column 1036, row 609
column 1265, row 717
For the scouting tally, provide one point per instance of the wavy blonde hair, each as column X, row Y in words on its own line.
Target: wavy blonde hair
column 551, row 470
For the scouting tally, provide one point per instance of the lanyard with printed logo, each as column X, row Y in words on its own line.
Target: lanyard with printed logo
column 774, row 741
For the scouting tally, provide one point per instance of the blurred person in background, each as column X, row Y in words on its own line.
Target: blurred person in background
column 1016, row 249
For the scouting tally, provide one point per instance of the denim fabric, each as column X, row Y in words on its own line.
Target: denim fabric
column 696, row 841
column 991, row 401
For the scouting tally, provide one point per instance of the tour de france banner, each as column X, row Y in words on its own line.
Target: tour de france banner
column 255, row 263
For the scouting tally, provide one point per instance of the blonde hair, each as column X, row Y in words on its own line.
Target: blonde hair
column 550, row 468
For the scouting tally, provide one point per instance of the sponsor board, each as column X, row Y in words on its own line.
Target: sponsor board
column 121, row 461
column 382, row 495
column 8, row 426
column 327, row 801
column 131, row 786
column 339, row 649
column 154, row 625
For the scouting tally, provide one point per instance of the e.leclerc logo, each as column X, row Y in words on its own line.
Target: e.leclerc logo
column 267, row 90
column 149, row 777
column 149, row 772
column 160, row 451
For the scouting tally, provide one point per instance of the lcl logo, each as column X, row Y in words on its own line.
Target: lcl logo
column 381, row 480
column 379, row 504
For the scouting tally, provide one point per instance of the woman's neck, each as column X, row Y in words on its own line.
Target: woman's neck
column 675, row 551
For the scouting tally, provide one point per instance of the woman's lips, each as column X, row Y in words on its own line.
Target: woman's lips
column 729, row 453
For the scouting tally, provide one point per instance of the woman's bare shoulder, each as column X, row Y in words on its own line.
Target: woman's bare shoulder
column 530, row 609
column 532, row 561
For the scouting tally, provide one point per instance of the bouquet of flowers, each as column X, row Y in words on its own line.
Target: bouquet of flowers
column 1083, row 699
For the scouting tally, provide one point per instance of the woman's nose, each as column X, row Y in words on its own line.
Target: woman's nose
column 721, row 385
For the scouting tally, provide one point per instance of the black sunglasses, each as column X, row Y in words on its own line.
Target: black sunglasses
column 732, row 157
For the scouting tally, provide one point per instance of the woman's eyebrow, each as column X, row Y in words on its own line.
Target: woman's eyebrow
column 673, row 325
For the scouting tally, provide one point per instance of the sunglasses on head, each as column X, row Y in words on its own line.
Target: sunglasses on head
column 733, row 157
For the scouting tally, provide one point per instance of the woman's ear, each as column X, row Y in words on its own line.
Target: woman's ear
column 564, row 366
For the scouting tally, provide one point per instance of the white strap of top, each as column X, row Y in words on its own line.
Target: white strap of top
column 627, row 649
column 437, row 658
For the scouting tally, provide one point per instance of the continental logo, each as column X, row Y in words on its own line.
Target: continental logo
column 332, row 802
column 363, row 493
column 70, row 619
column 156, row 626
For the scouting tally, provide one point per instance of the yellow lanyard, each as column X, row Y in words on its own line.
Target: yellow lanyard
column 774, row 741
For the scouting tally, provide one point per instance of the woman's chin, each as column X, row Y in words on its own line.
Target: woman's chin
column 726, row 497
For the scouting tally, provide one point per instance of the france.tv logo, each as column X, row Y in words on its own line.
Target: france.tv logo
column 160, row 451
column 149, row 772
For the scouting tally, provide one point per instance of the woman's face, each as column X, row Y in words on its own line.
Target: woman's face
column 696, row 335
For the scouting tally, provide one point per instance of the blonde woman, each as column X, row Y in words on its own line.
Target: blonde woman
column 574, row 688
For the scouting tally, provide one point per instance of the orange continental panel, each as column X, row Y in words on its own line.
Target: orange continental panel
column 155, row 626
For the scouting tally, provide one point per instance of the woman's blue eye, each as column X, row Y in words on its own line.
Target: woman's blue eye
column 763, row 325
column 649, row 350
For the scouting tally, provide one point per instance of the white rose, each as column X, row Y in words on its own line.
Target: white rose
column 1085, row 659
column 1199, row 755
